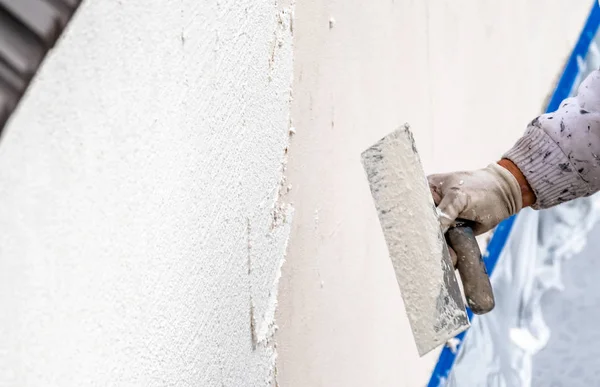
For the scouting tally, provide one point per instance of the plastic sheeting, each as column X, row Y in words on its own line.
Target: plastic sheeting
column 499, row 347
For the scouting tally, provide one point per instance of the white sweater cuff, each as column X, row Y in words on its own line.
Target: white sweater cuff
column 547, row 169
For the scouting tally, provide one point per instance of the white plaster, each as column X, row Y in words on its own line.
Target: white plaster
column 422, row 264
column 142, row 224
column 153, row 140
column 468, row 76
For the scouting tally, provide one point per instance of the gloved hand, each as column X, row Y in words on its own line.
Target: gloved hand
column 485, row 197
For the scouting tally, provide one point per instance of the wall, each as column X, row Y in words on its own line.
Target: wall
column 468, row 77
column 141, row 233
column 143, row 194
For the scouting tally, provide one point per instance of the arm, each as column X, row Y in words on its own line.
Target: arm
column 559, row 153
column 556, row 160
column 527, row 195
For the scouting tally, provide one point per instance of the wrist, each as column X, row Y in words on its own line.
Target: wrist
column 527, row 194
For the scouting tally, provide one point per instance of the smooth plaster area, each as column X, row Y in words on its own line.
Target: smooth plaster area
column 468, row 77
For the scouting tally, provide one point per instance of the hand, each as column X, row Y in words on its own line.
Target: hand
column 485, row 197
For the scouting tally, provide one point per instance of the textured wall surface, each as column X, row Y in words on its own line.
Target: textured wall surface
column 141, row 228
column 143, row 216
column 468, row 77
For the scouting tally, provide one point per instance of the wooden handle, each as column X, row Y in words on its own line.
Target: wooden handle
column 470, row 265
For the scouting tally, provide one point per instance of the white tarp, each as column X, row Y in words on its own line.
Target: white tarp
column 499, row 347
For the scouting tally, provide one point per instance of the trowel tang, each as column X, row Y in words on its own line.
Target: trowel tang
column 470, row 265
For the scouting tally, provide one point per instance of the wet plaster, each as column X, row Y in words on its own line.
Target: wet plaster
column 142, row 215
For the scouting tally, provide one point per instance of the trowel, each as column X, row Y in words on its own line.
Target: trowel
column 418, row 248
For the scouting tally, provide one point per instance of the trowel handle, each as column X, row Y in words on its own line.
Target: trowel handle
column 470, row 265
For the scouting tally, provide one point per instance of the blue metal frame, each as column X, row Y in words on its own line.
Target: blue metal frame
column 502, row 232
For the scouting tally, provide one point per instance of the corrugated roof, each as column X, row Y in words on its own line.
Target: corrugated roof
column 28, row 29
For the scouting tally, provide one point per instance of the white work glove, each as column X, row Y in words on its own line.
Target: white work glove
column 485, row 197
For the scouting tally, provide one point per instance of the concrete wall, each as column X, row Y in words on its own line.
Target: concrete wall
column 144, row 206
column 141, row 233
column 468, row 76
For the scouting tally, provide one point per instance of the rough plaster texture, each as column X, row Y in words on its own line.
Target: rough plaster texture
column 141, row 224
column 414, row 240
column 467, row 76
column 142, row 230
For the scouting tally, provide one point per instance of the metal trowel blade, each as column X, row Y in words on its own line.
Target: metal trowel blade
column 415, row 242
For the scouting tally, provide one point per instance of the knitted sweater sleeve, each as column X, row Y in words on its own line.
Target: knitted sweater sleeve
column 559, row 154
